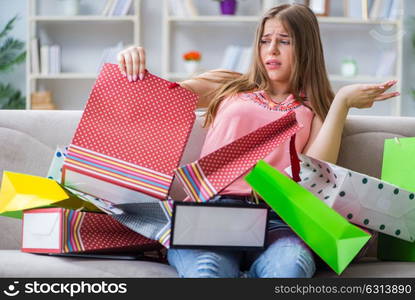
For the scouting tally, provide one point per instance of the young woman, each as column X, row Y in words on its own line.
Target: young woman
column 287, row 72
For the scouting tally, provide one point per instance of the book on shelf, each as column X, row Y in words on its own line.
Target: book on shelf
column 44, row 59
column 35, row 59
column 116, row 7
column 237, row 58
column 356, row 9
column 50, row 59
column 386, row 9
column 182, row 8
column 55, row 59
column 395, row 10
column 107, row 7
column 383, row 9
column 191, row 8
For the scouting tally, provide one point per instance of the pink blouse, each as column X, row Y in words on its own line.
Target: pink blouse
column 246, row 112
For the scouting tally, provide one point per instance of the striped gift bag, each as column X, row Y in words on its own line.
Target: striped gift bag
column 60, row 230
column 205, row 178
column 130, row 138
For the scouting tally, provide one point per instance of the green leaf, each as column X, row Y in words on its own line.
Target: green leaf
column 11, row 45
column 10, row 53
column 6, row 91
column 15, row 60
column 11, row 49
column 11, row 98
column 8, row 27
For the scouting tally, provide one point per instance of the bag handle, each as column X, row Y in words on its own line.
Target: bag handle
column 295, row 161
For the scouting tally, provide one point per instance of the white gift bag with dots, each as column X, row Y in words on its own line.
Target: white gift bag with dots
column 361, row 199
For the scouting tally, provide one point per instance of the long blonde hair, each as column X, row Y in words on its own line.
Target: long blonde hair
column 308, row 74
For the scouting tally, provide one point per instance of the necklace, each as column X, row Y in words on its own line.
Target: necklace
column 274, row 102
column 261, row 98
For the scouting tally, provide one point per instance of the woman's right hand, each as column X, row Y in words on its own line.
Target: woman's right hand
column 132, row 63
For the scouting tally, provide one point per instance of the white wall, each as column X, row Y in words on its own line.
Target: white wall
column 151, row 32
column 408, row 80
column 8, row 9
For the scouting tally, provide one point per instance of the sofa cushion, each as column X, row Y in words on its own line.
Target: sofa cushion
column 29, row 138
column 10, row 233
column 18, row 264
column 371, row 267
column 363, row 140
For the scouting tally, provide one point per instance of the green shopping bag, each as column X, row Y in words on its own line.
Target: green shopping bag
column 398, row 168
column 330, row 235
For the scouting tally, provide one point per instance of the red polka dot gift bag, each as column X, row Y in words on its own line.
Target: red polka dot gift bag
column 130, row 138
column 63, row 231
column 206, row 177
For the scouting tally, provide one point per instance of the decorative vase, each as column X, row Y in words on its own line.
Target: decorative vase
column 228, row 7
column 191, row 66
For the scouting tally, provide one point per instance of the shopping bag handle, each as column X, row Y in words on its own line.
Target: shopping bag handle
column 295, row 161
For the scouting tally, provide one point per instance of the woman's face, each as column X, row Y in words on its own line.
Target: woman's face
column 276, row 51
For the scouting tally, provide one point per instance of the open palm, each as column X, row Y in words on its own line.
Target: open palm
column 365, row 95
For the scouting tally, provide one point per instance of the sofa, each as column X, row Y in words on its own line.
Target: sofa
column 28, row 139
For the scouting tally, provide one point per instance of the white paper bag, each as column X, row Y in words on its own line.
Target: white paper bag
column 362, row 199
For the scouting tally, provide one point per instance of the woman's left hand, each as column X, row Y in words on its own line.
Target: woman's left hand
column 364, row 95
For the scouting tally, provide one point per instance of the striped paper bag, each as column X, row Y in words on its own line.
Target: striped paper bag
column 130, row 138
column 205, row 178
column 60, row 230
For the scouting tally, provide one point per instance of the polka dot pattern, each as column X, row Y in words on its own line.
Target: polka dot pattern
column 224, row 165
column 146, row 122
column 102, row 232
column 363, row 200
column 55, row 168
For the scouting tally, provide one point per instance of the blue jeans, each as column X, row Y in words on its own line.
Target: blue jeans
column 285, row 255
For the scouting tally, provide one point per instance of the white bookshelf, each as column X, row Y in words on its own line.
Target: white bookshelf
column 236, row 18
column 359, row 78
column 331, row 27
column 82, row 39
column 213, row 19
column 63, row 75
column 83, row 18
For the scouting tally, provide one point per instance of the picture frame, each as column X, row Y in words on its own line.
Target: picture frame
column 319, row 7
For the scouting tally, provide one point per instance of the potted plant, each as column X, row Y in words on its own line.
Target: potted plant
column 228, row 7
column 192, row 60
